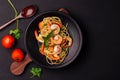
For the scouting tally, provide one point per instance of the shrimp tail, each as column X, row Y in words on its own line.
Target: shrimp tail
column 36, row 34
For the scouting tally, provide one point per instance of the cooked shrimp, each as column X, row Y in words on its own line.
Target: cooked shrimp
column 53, row 49
column 54, row 57
column 56, row 28
column 50, row 51
column 57, row 49
column 40, row 25
column 67, row 42
column 38, row 36
column 55, row 20
column 69, row 39
column 57, row 39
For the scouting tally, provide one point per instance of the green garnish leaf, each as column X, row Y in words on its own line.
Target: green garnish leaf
column 46, row 39
column 50, row 34
column 16, row 33
column 36, row 72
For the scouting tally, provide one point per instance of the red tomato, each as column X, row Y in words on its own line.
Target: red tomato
column 8, row 41
column 17, row 55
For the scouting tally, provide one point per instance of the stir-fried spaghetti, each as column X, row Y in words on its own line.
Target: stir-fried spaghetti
column 55, row 39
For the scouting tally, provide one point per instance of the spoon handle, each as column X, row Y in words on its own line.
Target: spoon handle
column 9, row 22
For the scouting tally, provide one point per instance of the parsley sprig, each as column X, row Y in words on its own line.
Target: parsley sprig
column 46, row 39
column 15, row 32
column 36, row 72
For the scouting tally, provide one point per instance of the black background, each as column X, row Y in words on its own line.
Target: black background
column 99, row 58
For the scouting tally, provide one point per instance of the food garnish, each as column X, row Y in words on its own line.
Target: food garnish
column 15, row 32
column 36, row 72
column 46, row 39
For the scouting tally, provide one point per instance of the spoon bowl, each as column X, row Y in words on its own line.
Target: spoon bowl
column 27, row 12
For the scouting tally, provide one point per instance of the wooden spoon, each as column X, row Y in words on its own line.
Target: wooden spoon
column 17, row 68
column 28, row 11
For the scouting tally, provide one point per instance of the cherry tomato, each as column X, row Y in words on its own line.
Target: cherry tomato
column 17, row 55
column 8, row 41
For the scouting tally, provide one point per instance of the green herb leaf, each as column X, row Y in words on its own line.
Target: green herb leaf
column 36, row 72
column 16, row 33
column 46, row 39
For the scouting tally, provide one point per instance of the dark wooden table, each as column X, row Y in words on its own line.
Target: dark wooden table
column 99, row 58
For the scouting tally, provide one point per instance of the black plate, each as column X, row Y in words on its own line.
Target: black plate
column 32, row 45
